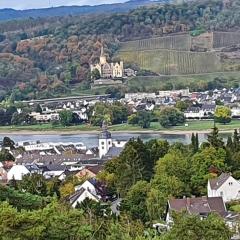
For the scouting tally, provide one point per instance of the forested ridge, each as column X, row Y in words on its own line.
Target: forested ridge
column 43, row 57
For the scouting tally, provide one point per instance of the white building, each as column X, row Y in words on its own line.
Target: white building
column 235, row 111
column 181, row 92
column 224, row 186
column 45, row 117
column 79, row 196
column 17, row 172
column 82, row 192
column 140, row 96
column 107, row 146
column 104, row 142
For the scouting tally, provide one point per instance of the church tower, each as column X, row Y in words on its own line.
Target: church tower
column 103, row 58
column 104, row 141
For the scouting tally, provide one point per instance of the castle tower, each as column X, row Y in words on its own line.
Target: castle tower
column 104, row 141
column 103, row 58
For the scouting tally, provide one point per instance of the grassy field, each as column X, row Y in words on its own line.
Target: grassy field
column 47, row 127
column 159, row 82
column 155, row 126
column 192, row 126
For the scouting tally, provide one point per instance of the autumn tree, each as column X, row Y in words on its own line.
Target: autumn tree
column 223, row 115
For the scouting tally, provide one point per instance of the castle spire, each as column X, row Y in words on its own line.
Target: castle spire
column 103, row 58
column 102, row 51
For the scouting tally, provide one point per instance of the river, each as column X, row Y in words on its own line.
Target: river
column 91, row 140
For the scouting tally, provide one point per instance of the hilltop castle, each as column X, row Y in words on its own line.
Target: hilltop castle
column 108, row 70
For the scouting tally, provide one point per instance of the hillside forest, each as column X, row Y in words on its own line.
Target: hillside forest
column 47, row 57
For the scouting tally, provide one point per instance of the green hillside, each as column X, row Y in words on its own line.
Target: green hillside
column 47, row 57
column 195, row 82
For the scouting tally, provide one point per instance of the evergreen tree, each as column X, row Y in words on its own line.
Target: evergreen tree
column 229, row 143
column 236, row 141
column 197, row 142
column 214, row 139
column 193, row 140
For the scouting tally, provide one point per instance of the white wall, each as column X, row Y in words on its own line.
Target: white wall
column 85, row 195
column 87, row 185
column 17, row 172
column 229, row 191
column 104, row 146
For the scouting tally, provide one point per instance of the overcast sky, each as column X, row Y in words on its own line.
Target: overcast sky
column 28, row 4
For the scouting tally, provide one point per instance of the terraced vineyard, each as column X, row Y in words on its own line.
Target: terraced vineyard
column 177, row 42
column 171, row 62
column 224, row 39
column 172, row 55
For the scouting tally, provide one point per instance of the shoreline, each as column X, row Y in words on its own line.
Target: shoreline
column 95, row 132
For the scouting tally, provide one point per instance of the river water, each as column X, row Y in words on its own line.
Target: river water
column 91, row 140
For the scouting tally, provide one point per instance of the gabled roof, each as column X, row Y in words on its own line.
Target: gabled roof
column 95, row 169
column 74, row 197
column 114, row 151
column 200, row 205
column 55, row 167
column 216, row 183
column 32, row 167
column 208, row 106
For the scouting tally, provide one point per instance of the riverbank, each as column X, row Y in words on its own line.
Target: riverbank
column 155, row 128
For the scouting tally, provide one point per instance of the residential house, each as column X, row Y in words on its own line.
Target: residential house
column 140, row 96
column 181, row 92
column 193, row 113
column 224, row 186
column 89, row 171
column 91, row 189
column 53, row 170
column 235, row 111
column 17, row 172
column 201, row 206
column 80, row 195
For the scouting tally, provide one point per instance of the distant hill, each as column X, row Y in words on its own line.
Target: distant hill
column 10, row 14
column 46, row 57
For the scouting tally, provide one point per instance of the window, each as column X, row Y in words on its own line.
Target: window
column 221, row 193
column 102, row 143
column 109, row 142
column 102, row 148
column 230, row 183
